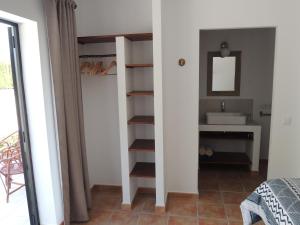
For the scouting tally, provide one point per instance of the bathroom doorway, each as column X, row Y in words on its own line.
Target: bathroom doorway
column 235, row 100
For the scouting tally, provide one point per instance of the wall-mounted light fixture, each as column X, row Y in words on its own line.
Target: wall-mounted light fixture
column 181, row 62
column 224, row 49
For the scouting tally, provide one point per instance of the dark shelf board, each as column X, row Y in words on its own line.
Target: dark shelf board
column 226, row 135
column 98, row 56
column 147, row 145
column 140, row 93
column 144, row 170
column 112, row 38
column 225, row 158
column 146, row 65
column 141, row 120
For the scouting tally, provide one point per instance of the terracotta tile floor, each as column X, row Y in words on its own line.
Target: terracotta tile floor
column 220, row 194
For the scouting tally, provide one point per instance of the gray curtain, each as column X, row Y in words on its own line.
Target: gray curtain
column 63, row 50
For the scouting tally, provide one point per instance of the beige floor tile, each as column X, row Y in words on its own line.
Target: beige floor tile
column 249, row 187
column 213, row 211
column 210, row 197
column 144, row 203
column 149, row 206
column 123, row 218
column 231, row 186
column 175, row 220
column 107, row 192
column 182, row 206
column 203, row 221
column 231, row 174
column 208, row 175
column 209, row 185
column 251, row 184
column 152, row 220
column 230, row 222
column 106, row 203
column 252, row 177
column 233, row 212
column 99, row 218
column 234, row 197
column 138, row 205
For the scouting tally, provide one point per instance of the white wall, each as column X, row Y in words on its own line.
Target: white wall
column 95, row 17
column 101, row 17
column 161, row 194
column 37, row 82
column 257, row 63
column 182, row 22
column 101, row 121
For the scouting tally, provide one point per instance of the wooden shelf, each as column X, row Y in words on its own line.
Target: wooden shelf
column 141, row 120
column 143, row 169
column 112, row 38
column 147, row 145
column 225, row 158
column 226, row 135
column 139, row 65
column 140, row 93
column 98, row 56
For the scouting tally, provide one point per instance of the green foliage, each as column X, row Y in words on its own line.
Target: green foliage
column 6, row 80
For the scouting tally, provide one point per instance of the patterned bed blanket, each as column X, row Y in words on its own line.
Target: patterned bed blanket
column 275, row 202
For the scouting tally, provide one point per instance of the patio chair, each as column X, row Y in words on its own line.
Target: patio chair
column 10, row 165
column 10, row 140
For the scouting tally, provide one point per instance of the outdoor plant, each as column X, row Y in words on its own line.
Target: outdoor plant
column 6, row 81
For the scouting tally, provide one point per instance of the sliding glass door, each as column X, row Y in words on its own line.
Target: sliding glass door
column 16, row 171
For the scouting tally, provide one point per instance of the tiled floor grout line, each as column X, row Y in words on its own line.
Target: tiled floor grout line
column 109, row 218
column 197, row 206
column 168, row 219
column 138, row 220
column 183, row 216
column 223, row 203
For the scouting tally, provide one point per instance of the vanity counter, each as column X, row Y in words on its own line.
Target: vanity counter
column 253, row 151
column 249, row 127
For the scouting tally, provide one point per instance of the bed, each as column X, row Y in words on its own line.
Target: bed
column 275, row 202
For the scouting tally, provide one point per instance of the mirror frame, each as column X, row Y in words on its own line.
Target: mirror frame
column 237, row 81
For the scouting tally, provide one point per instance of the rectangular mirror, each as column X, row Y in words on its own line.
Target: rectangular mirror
column 223, row 74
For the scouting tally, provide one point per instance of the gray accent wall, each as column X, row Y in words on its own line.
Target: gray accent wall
column 257, row 62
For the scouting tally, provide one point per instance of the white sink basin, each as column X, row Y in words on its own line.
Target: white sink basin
column 226, row 118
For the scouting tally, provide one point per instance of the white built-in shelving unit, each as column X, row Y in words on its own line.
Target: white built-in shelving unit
column 138, row 119
column 139, row 78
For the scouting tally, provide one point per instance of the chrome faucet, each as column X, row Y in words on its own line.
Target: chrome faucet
column 223, row 106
